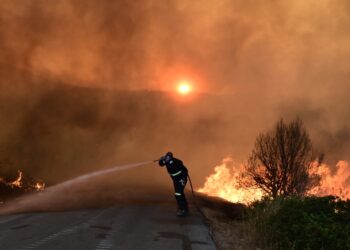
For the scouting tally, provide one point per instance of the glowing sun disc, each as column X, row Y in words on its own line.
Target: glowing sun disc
column 184, row 88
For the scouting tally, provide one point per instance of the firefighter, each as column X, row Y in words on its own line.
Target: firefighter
column 178, row 173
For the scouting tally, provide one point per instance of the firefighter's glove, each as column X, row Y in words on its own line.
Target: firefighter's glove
column 161, row 161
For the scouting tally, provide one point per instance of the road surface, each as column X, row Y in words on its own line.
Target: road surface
column 131, row 226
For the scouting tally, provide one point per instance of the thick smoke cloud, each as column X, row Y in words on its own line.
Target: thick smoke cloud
column 64, row 63
column 291, row 47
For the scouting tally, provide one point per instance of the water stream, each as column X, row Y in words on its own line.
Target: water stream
column 52, row 196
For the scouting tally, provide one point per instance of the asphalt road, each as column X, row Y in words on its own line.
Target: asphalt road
column 129, row 226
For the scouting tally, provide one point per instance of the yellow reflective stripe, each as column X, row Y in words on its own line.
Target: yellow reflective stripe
column 177, row 173
column 178, row 194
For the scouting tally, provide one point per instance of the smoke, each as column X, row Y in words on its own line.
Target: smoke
column 85, row 84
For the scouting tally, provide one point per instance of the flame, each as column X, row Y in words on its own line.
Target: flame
column 39, row 186
column 18, row 182
column 336, row 183
column 225, row 182
column 25, row 185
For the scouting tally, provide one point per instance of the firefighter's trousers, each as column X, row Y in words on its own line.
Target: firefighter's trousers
column 179, row 185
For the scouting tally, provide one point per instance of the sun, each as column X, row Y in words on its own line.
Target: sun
column 184, row 87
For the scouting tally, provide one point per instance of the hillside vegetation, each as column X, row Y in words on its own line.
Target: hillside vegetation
column 284, row 223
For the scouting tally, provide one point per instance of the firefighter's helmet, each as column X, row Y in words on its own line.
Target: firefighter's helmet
column 168, row 157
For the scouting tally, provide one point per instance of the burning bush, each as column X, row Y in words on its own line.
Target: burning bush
column 281, row 164
column 226, row 183
column 336, row 182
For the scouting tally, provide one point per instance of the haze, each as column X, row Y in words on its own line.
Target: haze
column 89, row 84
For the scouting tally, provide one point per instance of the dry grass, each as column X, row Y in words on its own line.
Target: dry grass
column 229, row 229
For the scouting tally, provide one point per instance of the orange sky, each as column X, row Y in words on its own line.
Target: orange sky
column 228, row 45
column 261, row 60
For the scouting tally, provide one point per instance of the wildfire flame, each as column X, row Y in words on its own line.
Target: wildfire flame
column 225, row 183
column 39, row 186
column 337, row 183
column 18, row 183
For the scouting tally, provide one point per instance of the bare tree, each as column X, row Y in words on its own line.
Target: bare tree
column 281, row 161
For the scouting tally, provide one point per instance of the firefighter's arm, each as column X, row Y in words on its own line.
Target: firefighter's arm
column 161, row 161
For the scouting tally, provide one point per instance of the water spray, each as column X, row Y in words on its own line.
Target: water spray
column 47, row 198
column 101, row 172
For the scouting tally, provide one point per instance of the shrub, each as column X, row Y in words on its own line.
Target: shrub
column 303, row 223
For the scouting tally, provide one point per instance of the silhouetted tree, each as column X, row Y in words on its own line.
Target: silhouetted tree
column 281, row 160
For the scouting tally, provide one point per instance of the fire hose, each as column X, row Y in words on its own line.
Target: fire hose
column 193, row 194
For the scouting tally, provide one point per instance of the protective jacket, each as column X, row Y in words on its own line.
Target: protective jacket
column 175, row 168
